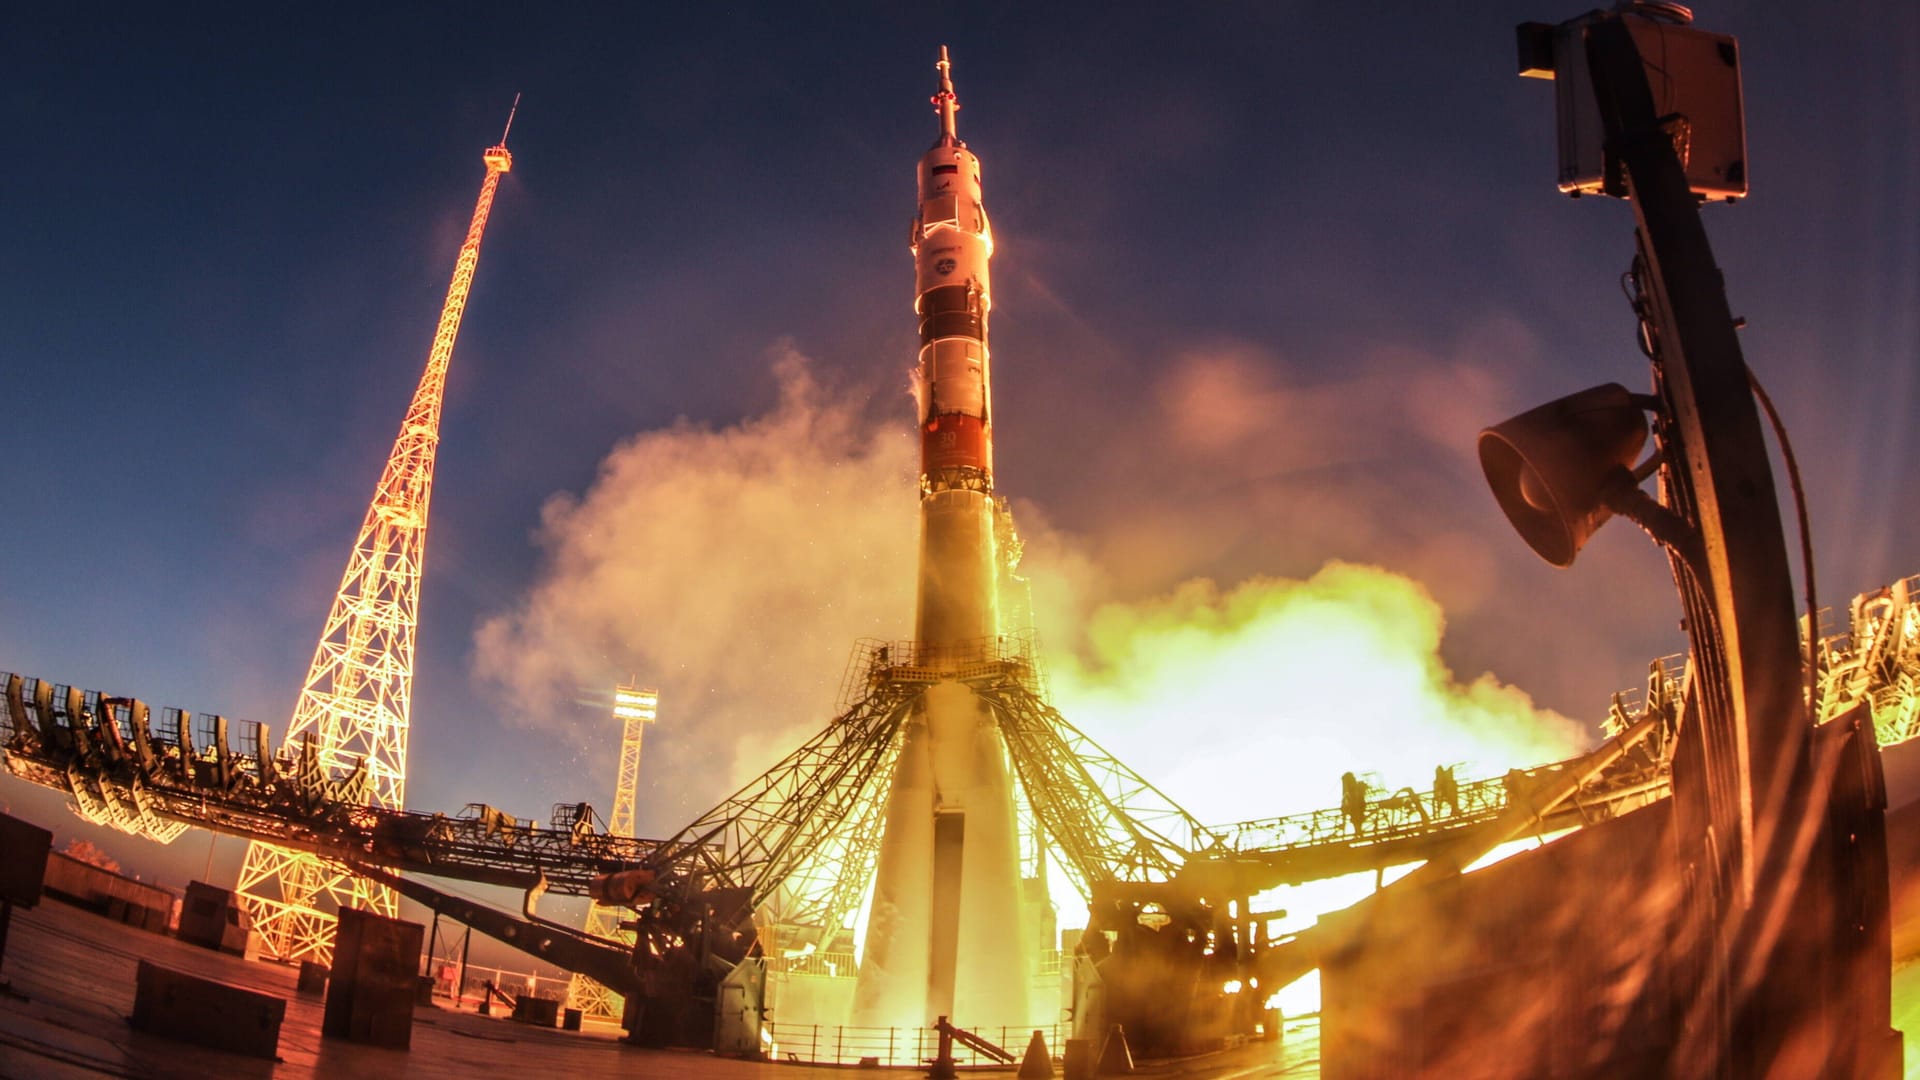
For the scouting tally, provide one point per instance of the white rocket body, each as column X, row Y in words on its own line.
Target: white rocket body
column 944, row 935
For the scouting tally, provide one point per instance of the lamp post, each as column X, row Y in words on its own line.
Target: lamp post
column 1780, row 864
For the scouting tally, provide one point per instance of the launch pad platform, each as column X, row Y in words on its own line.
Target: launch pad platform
column 77, row 971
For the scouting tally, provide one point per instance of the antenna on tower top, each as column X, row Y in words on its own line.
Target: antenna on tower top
column 510, row 112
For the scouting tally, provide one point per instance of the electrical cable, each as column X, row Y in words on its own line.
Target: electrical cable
column 1645, row 339
column 1806, row 539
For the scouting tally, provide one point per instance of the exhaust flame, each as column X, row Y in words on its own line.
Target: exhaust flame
column 1253, row 701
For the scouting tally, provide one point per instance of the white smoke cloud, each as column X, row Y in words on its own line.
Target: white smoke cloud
column 733, row 568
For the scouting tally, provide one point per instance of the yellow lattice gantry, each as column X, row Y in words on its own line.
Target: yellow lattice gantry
column 355, row 703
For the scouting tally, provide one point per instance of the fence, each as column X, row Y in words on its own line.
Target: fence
column 875, row 662
column 838, row 965
column 511, row 983
column 845, row 1044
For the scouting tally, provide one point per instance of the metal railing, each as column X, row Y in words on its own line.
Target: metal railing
column 1875, row 661
column 1007, row 656
column 833, row 965
column 511, row 983
column 1673, row 671
column 912, row 1047
column 197, row 769
column 1387, row 816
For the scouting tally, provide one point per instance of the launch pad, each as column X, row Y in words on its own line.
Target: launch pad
column 79, row 971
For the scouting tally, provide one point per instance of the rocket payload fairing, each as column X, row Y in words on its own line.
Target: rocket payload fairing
column 944, row 934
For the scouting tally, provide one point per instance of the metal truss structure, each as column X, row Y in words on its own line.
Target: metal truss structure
column 635, row 707
column 796, row 839
column 1387, row 828
column 1876, row 660
column 208, row 771
column 783, row 864
column 356, row 701
column 1104, row 822
column 801, row 840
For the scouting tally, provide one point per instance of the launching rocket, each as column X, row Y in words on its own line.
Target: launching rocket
column 944, row 935
column 952, row 243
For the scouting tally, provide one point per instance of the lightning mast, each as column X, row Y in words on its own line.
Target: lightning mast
column 356, row 700
column 637, row 707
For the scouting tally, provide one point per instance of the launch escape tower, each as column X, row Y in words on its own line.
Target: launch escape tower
column 635, row 707
column 354, row 705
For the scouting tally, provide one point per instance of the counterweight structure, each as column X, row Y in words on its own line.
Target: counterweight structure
column 355, row 703
column 635, row 707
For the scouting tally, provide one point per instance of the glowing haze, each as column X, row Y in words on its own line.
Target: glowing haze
column 1251, row 701
column 734, row 567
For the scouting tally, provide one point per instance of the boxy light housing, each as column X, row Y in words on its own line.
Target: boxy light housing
column 1695, row 79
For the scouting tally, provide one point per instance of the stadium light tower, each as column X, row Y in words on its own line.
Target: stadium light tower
column 635, row 707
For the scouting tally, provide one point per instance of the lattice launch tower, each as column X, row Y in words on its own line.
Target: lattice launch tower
column 355, row 703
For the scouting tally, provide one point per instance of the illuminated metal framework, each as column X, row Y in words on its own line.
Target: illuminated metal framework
column 1876, row 660
column 1394, row 827
column 153, row 771
column 798, row 843
column 801, row 839
column 356, row 700
column 635, row 707
column 795, row 838
column 206, row 770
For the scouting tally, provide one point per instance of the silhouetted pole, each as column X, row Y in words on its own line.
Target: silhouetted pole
column 1786, row 938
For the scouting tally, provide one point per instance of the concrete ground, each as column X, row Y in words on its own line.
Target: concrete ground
column 77, row 969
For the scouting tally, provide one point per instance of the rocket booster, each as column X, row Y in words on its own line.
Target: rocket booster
column 952, row 244
column 944, row 937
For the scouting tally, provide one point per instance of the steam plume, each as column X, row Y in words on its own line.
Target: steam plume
column 735, row 567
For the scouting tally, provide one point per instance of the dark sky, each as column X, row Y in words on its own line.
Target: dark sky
column 227, row 233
